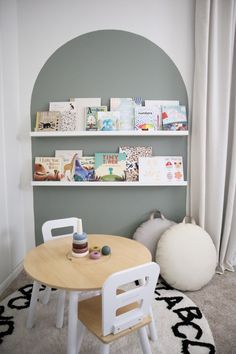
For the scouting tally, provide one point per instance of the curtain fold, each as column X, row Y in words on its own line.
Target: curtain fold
column 213, row 135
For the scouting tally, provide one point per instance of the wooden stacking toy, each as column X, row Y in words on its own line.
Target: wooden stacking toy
column 80, row 244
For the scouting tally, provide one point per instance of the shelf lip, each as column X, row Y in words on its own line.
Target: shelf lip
column 109, row 133
column 105, row 184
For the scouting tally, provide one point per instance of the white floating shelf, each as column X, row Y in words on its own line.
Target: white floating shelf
column 104, row 184
column 108, row 133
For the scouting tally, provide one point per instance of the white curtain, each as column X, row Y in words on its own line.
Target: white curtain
column 213, row 131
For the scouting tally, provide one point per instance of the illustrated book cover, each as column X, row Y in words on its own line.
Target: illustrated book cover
column 47, row 121
column 84, row 168
column 91, row 116
column 68, row 162
column 126, row 107
column 174, row 118
column 161, row 169
column 108, row 121
column 110, row 167
column 48, row 169
column 132, row 156
column 147, row 119
column 68, row 121
column 80, row 106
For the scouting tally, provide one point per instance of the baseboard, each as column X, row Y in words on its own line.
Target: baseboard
column 11, row 277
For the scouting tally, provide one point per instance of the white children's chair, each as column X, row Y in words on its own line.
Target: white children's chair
column 47, row 231
column 118, row 312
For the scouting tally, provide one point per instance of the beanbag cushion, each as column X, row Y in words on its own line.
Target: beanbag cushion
column 151, row 230
column 187, row 257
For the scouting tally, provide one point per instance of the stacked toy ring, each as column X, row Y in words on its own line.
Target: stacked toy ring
column 95, row 255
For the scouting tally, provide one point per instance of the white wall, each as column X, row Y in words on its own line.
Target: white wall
column 38, row 29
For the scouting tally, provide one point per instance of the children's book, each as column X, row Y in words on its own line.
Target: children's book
column 161, row 169
column 47, row 121
column 174, row 118
column 153, row 103
column 80, row 106
column 68, row 120
column 146, row 118
column 48, row 169
column 108, row 121
column 91, row 116
column 84, row 168
column 132, row 156
column 126, row 108
column 110, row 167
column 68, row 162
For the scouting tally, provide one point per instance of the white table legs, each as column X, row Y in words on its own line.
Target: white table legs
column 72, row 323
column 152, row 327
column 33, row 303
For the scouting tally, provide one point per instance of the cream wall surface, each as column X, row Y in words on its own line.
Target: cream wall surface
column 39, row 28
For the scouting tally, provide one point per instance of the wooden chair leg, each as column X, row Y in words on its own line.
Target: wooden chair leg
column 104, row 348
column 60, row 308
column 144, row 340
column 46, row 295
column 33, row 303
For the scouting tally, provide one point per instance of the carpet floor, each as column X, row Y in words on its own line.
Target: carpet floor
column 181, row 327
column 217, row 300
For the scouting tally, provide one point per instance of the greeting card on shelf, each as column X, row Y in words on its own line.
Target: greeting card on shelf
column 48, row 169
column 91, row 116
column 110, row 167
column 47, row 121
column 68, row 162
column 68, row 120
column 126, row 108
column 161, row 169
column 80, row 106
column 84, row 168
column 132, row 156
column 174, row 118
column 108, row 121
column 147, row 119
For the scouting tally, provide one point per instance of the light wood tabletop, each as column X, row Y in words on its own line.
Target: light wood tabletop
column 52, row 264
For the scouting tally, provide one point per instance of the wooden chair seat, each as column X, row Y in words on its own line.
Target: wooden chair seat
column 90, row 314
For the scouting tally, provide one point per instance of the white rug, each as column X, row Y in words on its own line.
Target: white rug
column 181, row 327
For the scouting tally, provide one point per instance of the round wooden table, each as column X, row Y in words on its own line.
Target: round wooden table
column 52, row 264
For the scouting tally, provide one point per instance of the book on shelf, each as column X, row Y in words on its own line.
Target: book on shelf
column 48, row 169
column 174, row 118
column 147, row 119
column 110, row 167
column 126, row 108
column 80, row 106
column 159, row 103
column 91, row 116
column 108, row 121
column 47, row 121
column 68, row 162
column 132, row 157
column 161, row 169
column 68, row 119
column 84, row 168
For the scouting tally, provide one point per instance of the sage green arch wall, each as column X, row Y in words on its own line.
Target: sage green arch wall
column 108, row 63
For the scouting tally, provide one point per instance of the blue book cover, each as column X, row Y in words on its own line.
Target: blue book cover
column 174, row 118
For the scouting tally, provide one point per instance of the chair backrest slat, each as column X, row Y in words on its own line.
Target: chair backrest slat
column 51, row 225
column 142, row 296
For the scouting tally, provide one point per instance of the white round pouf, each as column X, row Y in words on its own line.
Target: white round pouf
column 149, row 232
column 187, row 257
